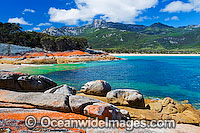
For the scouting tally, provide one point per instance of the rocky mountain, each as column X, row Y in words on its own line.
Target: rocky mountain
column 96, row 24
column 101, row 34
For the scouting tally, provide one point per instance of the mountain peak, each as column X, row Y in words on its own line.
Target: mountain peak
column 98, row 23
column 52, row 27
column 160, row 25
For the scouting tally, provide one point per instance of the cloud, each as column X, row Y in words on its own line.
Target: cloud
column 36, row 28
column 167, row 19
column 28, row 10
column 175, row 18
column 156, row 17
column 44, row 24
column 140, row 19
column 111, row 10
column 18, row 20
column 179, row 6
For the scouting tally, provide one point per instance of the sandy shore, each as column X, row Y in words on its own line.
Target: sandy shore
column 10, row 67
column 125, row 54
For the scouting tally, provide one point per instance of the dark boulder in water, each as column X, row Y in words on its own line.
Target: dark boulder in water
column 8, row 80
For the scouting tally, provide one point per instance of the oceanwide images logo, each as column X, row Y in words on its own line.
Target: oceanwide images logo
column 46, row 122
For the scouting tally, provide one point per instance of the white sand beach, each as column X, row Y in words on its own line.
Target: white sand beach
column 11, row 67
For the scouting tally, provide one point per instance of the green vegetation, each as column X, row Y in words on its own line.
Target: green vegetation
column 157, row 38
column 111, row 37
column 160, row 41
column 152, row 51
column 13, row 34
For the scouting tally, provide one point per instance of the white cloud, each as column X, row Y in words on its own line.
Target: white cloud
column 196, row 4
column 36, row 28
column 167, row 19
column 44, row 24
column 156, row 17
column 18, row 20
column 111, row 10
column 28, row 10
column 179, row 6
column 140, row 19
column 175, row 18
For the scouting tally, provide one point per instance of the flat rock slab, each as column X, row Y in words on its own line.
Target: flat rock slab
column 40, row 100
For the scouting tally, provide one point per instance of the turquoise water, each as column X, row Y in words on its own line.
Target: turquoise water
column 175, row 77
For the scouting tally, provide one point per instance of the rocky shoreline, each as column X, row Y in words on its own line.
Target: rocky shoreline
column 55, row 58
column 22, row 95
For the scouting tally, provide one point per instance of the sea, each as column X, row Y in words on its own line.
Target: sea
column 155, row 77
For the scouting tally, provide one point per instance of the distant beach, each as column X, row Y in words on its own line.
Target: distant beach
column 131, row 54
column 10, row 67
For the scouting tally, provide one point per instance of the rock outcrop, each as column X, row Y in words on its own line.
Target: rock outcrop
column 61, row 103
column 181, row 113
column 62, row 89
column 78, row 103
column 55, row 57
column 126, row 97
column 167, row 106
column 98, row 87
column 103, row 110
column 24, row 82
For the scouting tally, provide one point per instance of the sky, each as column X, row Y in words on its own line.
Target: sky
column 37, row 15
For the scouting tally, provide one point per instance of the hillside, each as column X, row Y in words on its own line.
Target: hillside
column 159, row 37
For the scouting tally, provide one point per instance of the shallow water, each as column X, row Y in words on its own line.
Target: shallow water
column 175, row 77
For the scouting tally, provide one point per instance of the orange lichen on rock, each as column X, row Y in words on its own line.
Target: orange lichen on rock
column 40, row 114
column 12, row 57
column 12, row 105
column 77, row 52
column 55, row 58
column 36, row 54
column 100, row 111
column 14, row 120
column 42, row 54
